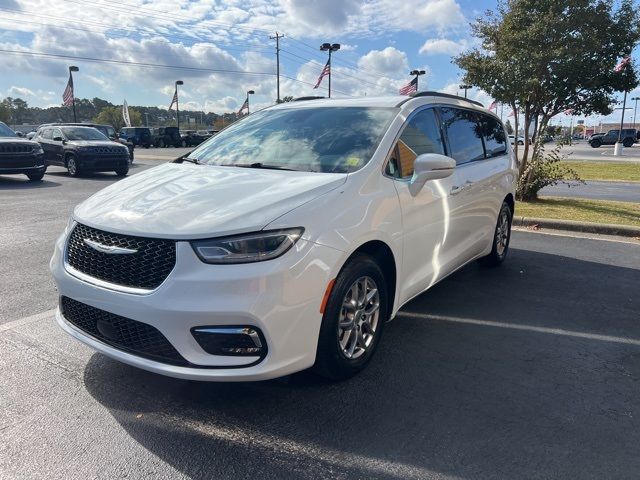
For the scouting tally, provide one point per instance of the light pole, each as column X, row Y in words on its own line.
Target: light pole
column 146, row 116
column 249, row 92
column 73, row 68
column 178, row 82
column 330, row 47
column 417, row 73
column 635, row 110
column 465, row 87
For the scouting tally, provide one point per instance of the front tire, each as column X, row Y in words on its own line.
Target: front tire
column 122, row 171
column 353, row 320
column 596, row 144
column 73, row 166
column 35, row 177
column 501, row 238
column 627, row 142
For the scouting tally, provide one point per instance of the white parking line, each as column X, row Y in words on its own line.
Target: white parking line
column 530, row 328
column 23, row 321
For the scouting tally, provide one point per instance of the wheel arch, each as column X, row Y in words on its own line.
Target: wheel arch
column 383, row 255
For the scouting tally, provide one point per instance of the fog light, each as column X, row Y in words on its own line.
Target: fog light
column 234, row 341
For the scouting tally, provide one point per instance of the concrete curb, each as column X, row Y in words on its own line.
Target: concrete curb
column 601, row 228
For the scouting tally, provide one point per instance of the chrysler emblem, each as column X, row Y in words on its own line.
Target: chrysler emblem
column 110, row 249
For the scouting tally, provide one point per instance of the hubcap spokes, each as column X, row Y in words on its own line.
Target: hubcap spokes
column 359, row 317
column 502, row 233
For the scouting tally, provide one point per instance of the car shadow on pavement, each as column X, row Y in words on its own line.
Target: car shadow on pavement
column 516, row 372
column 23, row 183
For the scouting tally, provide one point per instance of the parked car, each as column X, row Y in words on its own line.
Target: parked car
column 629, row 137
column 205, row 134
column 512, row 140
column 192, row 138
column 138, row 136
column 167, row 136
column 82, row 149
column 20, row 155
column 107, row 130
column 289, row 239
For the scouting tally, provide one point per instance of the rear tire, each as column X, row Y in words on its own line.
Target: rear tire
column 501, row 238
column 627, row 142
column 35, row 177
column 353, row 320
column 596, row 144
column 161, row 143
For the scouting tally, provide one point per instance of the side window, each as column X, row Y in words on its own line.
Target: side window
column 421, row 135
column 47, row 133
column 495, row 143
column 56, row 133
column 464, row 134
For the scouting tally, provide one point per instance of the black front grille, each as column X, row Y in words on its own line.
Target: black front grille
column 146, row 268
column 12, row 148
column 122, row 333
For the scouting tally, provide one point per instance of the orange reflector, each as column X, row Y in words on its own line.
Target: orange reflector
column 325, row 299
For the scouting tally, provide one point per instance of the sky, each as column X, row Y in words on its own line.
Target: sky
column 214, row 41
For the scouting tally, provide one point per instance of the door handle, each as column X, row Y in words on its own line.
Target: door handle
column 456, row 189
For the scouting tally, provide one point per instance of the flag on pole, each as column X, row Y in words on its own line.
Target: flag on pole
column 174, row 99
column 67, row 95
column 513, row 113
column 493, row 105
column 325, row 71
column 622, row 65
column 409, row 88
column 245, row 106
column 125, row 114
column 568, row 111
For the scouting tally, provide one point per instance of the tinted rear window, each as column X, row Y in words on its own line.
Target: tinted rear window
column 495, row 142
column 464, row 134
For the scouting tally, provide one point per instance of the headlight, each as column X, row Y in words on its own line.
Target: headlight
column 247, row 248
column 38, row 151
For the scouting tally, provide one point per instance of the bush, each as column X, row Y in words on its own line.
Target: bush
column 545, row 169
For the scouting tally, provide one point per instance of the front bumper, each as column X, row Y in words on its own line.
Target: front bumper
column 22, row 164
column 95, row 163
column 280, row 297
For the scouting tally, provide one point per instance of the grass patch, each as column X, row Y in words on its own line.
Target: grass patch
column 620, row 171
column 594, row 211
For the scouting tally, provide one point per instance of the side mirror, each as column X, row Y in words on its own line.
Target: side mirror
column 430, row 166
column 58, row 139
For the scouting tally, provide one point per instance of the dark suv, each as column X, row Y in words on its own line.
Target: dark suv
column 82, row 149
column 139, row 136
column 166, row 136
column 107, row 130
column 19, row 155
column 629, row 137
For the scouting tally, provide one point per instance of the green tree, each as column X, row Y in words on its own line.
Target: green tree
column 543, row 57
column 509, row 127
column 5, row 113
column 113, row 116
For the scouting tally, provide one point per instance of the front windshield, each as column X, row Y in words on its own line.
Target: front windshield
column 6, row 131
column 82, row 133
column 314, row 139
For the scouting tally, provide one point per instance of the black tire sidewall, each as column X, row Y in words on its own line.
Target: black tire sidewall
column 75, row 160
column 330, row 361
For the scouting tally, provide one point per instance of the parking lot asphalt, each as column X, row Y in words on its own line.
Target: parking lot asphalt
column 531, row 370
column 581, row 150
column 596, row 190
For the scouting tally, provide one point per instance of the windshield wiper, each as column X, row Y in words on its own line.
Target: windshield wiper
column 261, row 165
column 187, row 159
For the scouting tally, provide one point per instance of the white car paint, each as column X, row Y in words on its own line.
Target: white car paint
column 431, row 233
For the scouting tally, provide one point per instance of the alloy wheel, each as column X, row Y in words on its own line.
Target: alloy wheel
column 72, row 167
column 359, row 317
column 502, row 233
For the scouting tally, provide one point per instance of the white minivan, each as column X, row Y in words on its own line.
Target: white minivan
column 287, row 240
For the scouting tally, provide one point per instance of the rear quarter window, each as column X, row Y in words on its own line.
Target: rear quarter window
column 464, row 134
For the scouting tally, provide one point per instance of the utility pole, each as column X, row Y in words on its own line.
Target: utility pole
column 72, row 69
column 146, row 116
column 465, row 87
column 178, row 82
column 277, row 39
column 635, row 110
column 331, row 47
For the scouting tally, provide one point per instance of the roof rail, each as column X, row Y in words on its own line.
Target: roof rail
column 439, row 94
column 302, row 99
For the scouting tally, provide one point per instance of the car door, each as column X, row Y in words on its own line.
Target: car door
column 478, row 144
column 429, row 215
column 57, row 147
column 44, row 138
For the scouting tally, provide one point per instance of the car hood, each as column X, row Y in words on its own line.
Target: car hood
column 18, row 141
column 186, row 201
column 92, row 143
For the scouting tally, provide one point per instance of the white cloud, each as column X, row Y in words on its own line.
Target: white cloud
column 20, row 92
column 389, row 61
column 443, row 46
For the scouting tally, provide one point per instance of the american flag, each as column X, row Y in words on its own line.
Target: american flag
column 245, row 106
column 568, row 111
column 493, row 105
column 622, row 65
column 67, row 95
column 325, row 71
column 174, row 99
column 410, row 87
